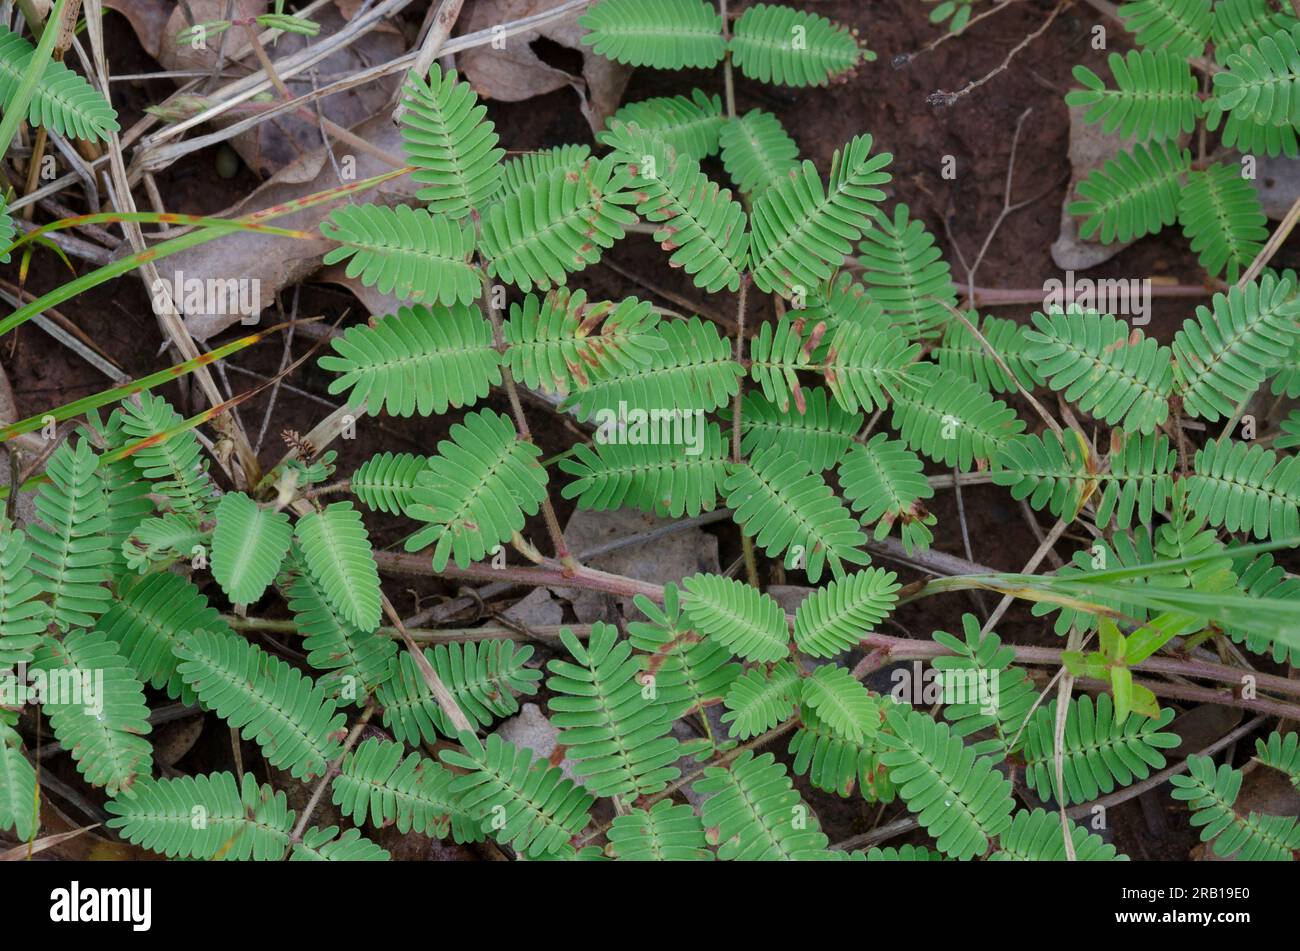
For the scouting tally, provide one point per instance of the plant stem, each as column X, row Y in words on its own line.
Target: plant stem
column 521, row 422
column 330, row 772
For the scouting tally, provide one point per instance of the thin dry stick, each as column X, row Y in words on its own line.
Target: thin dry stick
column 941, row 98
column 331, row 771
column 1047, row 418
column 1030, row 567
column 1063, row 691
column 446, row 702
column 438, row 28
column 172, row 323
column 521, row 421
column 746, row 543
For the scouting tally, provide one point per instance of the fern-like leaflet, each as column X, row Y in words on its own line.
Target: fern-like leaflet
column 476, row 490
column 406, row 252
column 248, row 546
column 615, row 735
column 802, row 228
column 664, row 34
column 97, row 709
column 789, row 509
column 959, row 798
column 446, row 136
column 518, row 799
column 273, row 704
column 777, row 44
column 419, row 360
column 753, row 813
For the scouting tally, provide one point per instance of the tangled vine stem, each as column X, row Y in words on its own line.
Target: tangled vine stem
column 894, row 648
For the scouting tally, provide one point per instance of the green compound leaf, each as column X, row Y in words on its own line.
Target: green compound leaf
column 1241, row 23
column 1155, row 95
column 149, row 618
column 777, row 44
column 420, row 360
column 820, row 434
column 690, row 671
column 694, row 371
column 1179, row 26
column 337, row 552
column 1224, row 354
column 1134, row 194
column 353, row 661
column 613, row 731
column 523, row 170
column 327, row 845
column 802, row 230
column 700, row 223
column 69, row 542
column 757, row 152
column 959, row 798
column 666, row 832
column 1100, row 755
column 664, row 34
column 760, row 699
column 559, row 343
column 379, row 783
column 1116, row 373
column 903, row 271
column 962, row 353
column 740, row 617
column 1245, row 488
column 446, row 135
column 836, row 617
column 484, row 678
column 842, row 703
column 678, row 477
column 690, row 127
column 273, row 704
column 1061, row 477
column 951, row 420
column 23, row 618
column 884, row 481
column 405, row 252
column 790, row 510
column 517, row 798
column 1036, row 837
column 248, row 546
column 97, row 709
column 476, row 490
column 753, row 813
column 557, row 225
column 1210, row 794
column 19, row 796
column 63, row 102
column 1223, row 219
column 1281, row 753
column 239, row 821
column 386, row 481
